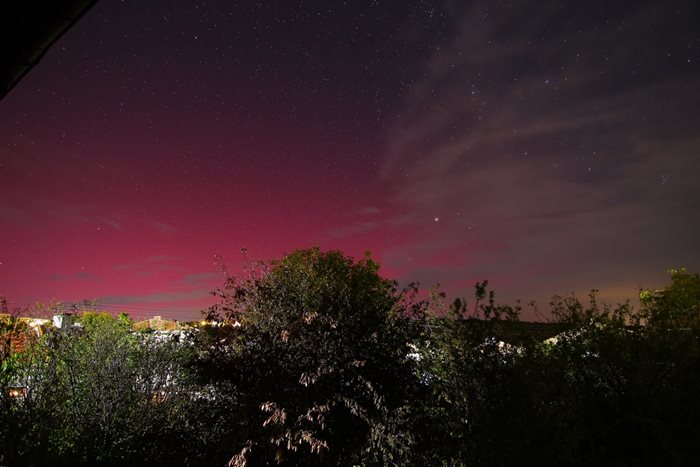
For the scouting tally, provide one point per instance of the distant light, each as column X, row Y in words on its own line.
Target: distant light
column 437, row 219
column 17, row 392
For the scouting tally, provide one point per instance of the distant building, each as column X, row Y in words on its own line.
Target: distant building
column 64, row 320
column 16, row 333
column 13, row 342
column 157, row 323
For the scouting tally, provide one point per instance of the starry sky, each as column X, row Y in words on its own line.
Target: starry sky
column 549, row 147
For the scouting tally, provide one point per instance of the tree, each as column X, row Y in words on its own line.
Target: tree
column 99, row 395
column 676, row 305
column 461, row 361
column 319, row 361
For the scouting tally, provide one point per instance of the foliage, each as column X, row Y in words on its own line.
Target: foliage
column 571, row 310
column 95, row 396
column 608, row 391
column 321, row 354
column 460, row 358
column 95, row 322
column 677, row 305
column 315, row 359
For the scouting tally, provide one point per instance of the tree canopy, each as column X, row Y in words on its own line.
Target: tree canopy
column 322, row 351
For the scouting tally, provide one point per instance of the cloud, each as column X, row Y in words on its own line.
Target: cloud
column 163, row 227
column 550, row 157
column 157, row 297
column 42, row 210
column 75, row 276
column 359, row 228
column 116, row 225
column 369, row 211
column 8, row 213
column 201, row 278
column 183, row 299
column 152, row 263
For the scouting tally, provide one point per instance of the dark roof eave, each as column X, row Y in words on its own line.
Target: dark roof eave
column 28, row 29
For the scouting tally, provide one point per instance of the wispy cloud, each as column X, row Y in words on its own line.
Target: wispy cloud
column 152, row 263
column 157, row 297
column 369, row 211
column 359, row 228
column 201, row 278
column 529, row 156
column 173, row 304
column 182, row 298
column 43, row 209
column 75, row 276
column 111, row 222
column 163, row 227
column 8, row 213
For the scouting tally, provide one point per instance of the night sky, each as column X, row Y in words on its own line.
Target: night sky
column 547, row 146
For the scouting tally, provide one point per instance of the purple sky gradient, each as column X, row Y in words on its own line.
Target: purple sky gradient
column 549, row 148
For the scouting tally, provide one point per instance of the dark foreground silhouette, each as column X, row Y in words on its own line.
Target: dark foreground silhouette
column 317, row 360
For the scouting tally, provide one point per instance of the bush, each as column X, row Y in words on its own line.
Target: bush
column 610, row 390
column 96, row 396
column 320, row 361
